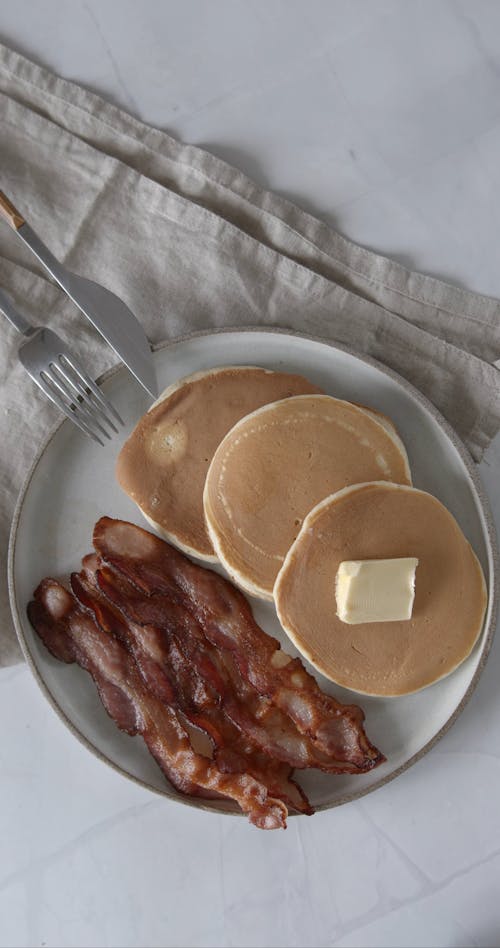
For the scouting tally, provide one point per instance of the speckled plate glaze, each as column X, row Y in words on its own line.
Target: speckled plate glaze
column 71, row 484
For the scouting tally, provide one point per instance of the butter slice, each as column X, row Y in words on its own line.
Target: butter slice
column 375, row 590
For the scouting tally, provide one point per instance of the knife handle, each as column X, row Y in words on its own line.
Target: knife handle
column 10, row 213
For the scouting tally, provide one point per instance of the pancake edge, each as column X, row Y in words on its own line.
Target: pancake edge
column 240, row 579
column 203, row 373
column 175, row 541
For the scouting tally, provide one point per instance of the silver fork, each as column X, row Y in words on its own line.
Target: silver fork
column 55, row 370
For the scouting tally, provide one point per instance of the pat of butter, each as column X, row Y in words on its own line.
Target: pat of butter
column 375, row 590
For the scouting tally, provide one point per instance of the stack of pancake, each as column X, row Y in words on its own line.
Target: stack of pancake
column 281, row 483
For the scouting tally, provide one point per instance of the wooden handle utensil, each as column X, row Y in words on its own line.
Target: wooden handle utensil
column 10, row 213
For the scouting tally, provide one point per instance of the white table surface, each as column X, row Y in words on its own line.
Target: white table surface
column 383, row 117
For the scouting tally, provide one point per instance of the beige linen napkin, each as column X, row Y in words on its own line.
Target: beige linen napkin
column 191, row 243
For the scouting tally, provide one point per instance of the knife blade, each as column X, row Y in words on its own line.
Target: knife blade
column 106, row 311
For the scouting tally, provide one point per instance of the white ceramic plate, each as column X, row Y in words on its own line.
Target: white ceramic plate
column 72, row 484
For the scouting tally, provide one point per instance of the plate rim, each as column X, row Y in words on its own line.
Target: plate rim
column 490, row 536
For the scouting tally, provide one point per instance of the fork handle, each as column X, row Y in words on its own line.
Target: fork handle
column 14, row 316
column 10, row 213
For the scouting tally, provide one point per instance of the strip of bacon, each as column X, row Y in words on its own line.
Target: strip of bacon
column 227, row 621
column 173, row 678
column 72, row 635
column 255, row 716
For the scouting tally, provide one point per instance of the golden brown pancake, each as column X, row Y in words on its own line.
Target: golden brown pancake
column 163, row 464
column 383, row 521
column 276, row 464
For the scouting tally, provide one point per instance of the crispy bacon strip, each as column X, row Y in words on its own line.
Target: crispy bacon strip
column 72, row 635
column 255, row 716
column 227, row 621
column 174, row 679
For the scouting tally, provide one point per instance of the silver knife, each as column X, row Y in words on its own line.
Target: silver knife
column 106, row 311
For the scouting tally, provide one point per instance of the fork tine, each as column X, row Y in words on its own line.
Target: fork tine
column 105, row 405
column 68, row 404
column 45, row 383
column 64, row 370
column 77, row 406
column 89, row 391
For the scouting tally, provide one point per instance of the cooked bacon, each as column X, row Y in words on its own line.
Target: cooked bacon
column 254, row 715
column 227, row 622
column 148, row 645
column 71, row 634
column 48, row 614
column 173, row 678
